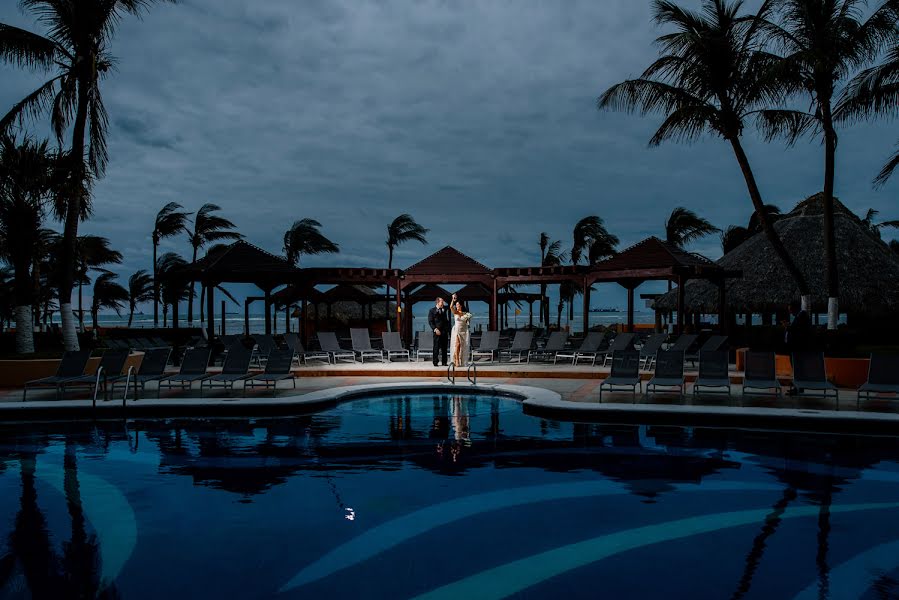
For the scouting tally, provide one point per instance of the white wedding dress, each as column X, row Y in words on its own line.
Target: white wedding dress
column 460, row 337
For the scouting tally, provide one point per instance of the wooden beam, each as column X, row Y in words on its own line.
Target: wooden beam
column 586, row 316
column 680, row 304
column 268, row 311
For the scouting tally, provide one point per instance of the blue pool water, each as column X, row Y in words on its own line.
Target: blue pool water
column 442, row 497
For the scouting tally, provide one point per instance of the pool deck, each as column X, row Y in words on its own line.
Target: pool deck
column 573, row 395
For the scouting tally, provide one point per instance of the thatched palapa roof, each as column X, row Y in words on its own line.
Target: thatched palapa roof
column 868, row 270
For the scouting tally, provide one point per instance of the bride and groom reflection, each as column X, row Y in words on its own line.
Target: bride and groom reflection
column 460, row 419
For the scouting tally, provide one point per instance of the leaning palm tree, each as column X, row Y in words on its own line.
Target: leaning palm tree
column 94, row 253
column 591, row 237
column 213, row 251
column 401, row 230
column 25, row 187
column 304, row 238
column 75, row 53
column 141, row 288
column 108, row 294
column 684, row 227
column 874, row 226
column 824, row 42
column 551, row 255
column 171, row 290
column 208, row 227
column 170, row 221
column 712, row 77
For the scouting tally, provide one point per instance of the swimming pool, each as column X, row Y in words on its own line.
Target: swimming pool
column 440, row 496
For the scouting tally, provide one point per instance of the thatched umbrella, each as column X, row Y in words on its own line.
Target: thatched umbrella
column 868, row 270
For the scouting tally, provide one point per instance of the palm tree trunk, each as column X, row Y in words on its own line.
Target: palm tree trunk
column 131, row 317
column 24, row 312
column 776, row 243
column 190, row 297
column 69, row 253
column 202, row 303
column 81, row 306
column 543, row 311
column 155, row 288
column 830, row 249
column 387, row 296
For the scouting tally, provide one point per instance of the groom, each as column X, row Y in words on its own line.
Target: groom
column 439, row 322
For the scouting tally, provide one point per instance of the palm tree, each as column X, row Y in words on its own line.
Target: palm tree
column 591, row 235
column 735, row 235
column 25, row 174
column 712, row 77
column 75, row 52
column 93, row 253
column 304, row 238
column 894, row 246
column 875, row 227
column 551, row 255
column 208, row 227
column 684, row 227
column 141, row 288
column 824, row 42
column 403, row 229
column 214, row 250
column 107, row 294
column 170, row 221
column 171, row 291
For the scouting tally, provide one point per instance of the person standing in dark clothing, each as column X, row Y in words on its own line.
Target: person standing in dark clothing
column 439, row 322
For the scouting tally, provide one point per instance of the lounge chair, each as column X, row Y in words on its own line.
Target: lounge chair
column 625, row 374
column 193, row 368
column 152, row 368
column 684, row 342
column 393, row 345
column 277, row 368
column 761, row 374
column 300, row 354
column 555, row 344
column 362, row 345
column 622, row 342
column 265, row 343
column 111, row 365
column 72, row 364
column 488, row 347
column 883, row 377
column 236, row 368
column 650, row 348
column 520, row 348
column 114, row 344
column 158, row 342
column 328, row 341
column 713, row 372
column 425, row 345
column 588, row 349
column 713, row 344
column 669, row 373
column 809, row 374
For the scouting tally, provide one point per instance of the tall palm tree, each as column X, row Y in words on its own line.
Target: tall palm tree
column 25, row 186
column 213, row 250
column 108, row 294
column 304, row 238
column 75, row 53
column 94, row 253
column 171, row 220
column 208, row 227
column 171, row 291
column 824, row 42
column 141, row 288
column 712, row 77
column 684, row 227
column 401, row 230
column 591, row 237
column 551, row 255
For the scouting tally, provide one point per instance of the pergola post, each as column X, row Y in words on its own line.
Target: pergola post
column 303, row 327
column 722, row 306
column 287, row 318
column 530, row 314
column 268, row 311
column 246, row 316
column 223, row 318
column 680, row 304
column 175, row 314
column 630, row 308
column 586, row 316
column 492, row 325
column 399, row 304
column 210, row 311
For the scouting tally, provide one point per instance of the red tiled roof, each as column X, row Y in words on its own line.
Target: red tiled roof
column 448, row 261
column 652, row 253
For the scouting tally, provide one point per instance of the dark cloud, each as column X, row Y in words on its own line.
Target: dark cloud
column 476, row 117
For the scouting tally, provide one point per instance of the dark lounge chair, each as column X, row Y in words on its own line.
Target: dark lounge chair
column 236, row 368
column 393, row 345
column 622, row 342
column 669, row 373
column 809, row 375
column 277, row 368
column 152, row 368
column 300, row 354
column 361, row 340
column 555, row 344
column 328, row 341
column 425, row 345
column 588, row 349
column 72, row 364
column 488, row 348
column 883, row 377
column 650, row 348
column 761, row 374
column 713, row 373
column 714, row 343
column 111, row 365
column 193, row 368
column 520, row 348
column 684, row 342
column 625, row 374
column 265, row 343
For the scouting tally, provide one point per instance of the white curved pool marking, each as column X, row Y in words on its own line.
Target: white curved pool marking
column 519, row 575
column 392, row 533
column 107, row 510
column 852, row 578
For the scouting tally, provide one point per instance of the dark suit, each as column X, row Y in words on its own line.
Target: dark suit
column 440, row 319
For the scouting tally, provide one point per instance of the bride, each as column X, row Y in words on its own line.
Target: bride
column 460, row 341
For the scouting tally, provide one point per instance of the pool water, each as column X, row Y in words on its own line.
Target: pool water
column 442, row 497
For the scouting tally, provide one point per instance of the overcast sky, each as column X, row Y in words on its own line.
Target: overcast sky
column 477, row 117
